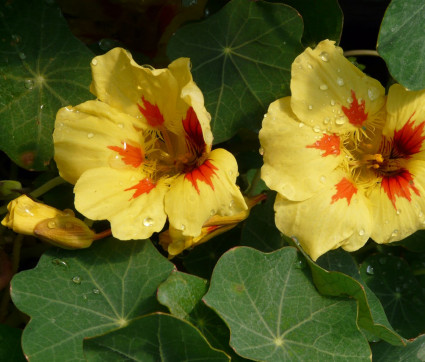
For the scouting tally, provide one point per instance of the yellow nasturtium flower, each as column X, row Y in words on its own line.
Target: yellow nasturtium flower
column 347, row 161
column 142, row 152
column 57, row 227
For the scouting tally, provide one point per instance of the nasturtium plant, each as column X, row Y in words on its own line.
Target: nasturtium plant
column 212, row 180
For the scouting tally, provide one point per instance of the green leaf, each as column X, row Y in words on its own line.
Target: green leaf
column 259, row 230
column 414, row 351
column 337, row 274
column 10, row 344
column 275, row 313
column 71, row 295
column 401, row 42
column 43, row 67
column 241, row 59
column 181, row 293
column 157, row 337
column 414, row 242
column 401, row 295
column 322, row 20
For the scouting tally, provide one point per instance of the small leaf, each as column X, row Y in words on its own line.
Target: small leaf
column 414, row 351
column 337, row 274
column 156, row 337
column 241, row 59
column 43, row 67
column 71, row 295
column 401, row 295
column 10, row 344
column 275, row 313
column 259, row 230
column 181, row 293
column 401, row 42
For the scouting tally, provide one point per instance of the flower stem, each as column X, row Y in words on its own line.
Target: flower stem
column 41, row 190
column 360, row 52
column 255, row 180
column 102, row 234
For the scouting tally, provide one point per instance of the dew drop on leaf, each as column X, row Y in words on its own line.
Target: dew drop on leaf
column 370, row 270
column 59, row 262
column 76, row 280
column 29, row 84
column 96, row 291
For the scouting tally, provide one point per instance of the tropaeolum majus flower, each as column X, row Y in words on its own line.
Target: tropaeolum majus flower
column 142, row 151
column 347, row 161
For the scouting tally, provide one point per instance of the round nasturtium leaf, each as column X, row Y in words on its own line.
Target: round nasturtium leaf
column 401, row 42
column 414, row 351
column 74, row 294
column 152, row 338
column 241, row 59
column 42, row 67
column 275, row 313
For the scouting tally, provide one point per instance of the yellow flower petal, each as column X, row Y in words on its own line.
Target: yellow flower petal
column 331, row 93
column 83, row 134
column 194, row 197
column 408, row 215
column 325, row 221
column 134, row 213
column 119, row 81
column 297, row 167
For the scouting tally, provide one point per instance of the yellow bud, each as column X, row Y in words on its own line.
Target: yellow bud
column 65, row 231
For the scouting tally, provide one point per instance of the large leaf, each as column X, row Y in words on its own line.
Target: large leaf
column 157, row 337
column 337, row 274
column 322, row 19
column 241, row 59
column 414, row 351
column 401, row 295
column 71, row 295
column 275, row 313
column 401, row 42
column 43, row 67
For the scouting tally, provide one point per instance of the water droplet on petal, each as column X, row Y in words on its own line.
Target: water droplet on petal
column 370, row 270
column 90, row 135
column 324, row 56
column 340, row 121
column 261, row 151
column 120, row 125
column 310, row 107
column 148, row 221
column 301, row 125
column 340, row 81
column 394, row 233
column 29, row 84
column 332, row 102
column 76, row 279
column 182, row 227
column 309, row 66
column 316, row 129
column 212, row 212
column 322, row 179
column 398, row 212
column 349, row 100
column 326, row 120
column 361, row 232
column 232, row 203
column 372, row 93
column 323, row 87
column 51, row 224
column 94, row 61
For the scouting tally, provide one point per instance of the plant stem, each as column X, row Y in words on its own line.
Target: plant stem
column 41, row 190
column 254, row 182
column 360, row 52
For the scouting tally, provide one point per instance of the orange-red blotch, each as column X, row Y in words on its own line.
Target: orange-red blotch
column 344, row 190
column 143, row 187
column 356, row 113
column 330, row 144
column 130, row 155
column 202, row 173
column 408, row 140
column 194, row 137
column 399, row 185
column 152, row 113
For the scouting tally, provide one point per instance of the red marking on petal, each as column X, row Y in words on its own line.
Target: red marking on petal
column 152, row 113
column 212, row 228
column 344, row 190
column 408, row 140
column 194, row 137
column 399, row 185
column 202, row 173
column 131, row 155
column 143, row 187
column 356, row 113
column 330, row 144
